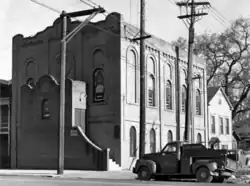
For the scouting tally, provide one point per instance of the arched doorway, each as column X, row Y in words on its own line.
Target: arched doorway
column 170, row 136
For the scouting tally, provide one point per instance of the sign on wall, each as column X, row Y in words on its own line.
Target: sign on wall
column 73, row 132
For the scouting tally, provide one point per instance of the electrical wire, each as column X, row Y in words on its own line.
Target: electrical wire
column 93, row 5
column 219, row 13
column 218, row 18
column 185, row 23
column 93, row 25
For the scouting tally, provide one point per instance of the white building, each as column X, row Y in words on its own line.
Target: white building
column 219, row 119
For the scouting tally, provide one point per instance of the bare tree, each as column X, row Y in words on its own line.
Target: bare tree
column 227, row 58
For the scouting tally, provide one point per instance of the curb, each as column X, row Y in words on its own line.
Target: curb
column 74, row 175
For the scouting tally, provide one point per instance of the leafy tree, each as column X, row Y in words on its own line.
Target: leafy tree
column 227, row 57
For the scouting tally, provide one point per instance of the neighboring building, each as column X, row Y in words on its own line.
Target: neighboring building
column 108, row 62
column 220, row 119
column 5, row 110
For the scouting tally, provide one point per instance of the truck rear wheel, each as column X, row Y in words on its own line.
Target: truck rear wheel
column 203, row 175
column 144, row 173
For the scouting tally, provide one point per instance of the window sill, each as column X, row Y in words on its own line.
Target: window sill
column 99, row 103
column 200, row 116
column 131, row 103
column 152, row 107
column 169, row 110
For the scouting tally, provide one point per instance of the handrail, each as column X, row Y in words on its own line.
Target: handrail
column 87, row 139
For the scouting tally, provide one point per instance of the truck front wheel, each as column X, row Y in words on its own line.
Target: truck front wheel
column 203, row 175
column 144, row 173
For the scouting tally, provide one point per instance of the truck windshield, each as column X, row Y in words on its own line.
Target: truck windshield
column 170, row 148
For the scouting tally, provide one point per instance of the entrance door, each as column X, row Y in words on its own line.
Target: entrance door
column 4, row 154
column 168, row 158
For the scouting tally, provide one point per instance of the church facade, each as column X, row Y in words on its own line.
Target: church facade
column 104, row 61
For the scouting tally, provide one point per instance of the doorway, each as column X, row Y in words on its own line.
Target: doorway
column 4, row 151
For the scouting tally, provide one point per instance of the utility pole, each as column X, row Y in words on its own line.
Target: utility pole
column 62, row 95
column 177, row 89
column 142, row 83
column 189, row 117
column 142, row 37
column 65, row 39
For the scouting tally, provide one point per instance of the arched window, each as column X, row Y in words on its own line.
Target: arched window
column 151, row 65
column 198, row 81
column 45, row 109
column 168, row 72
column 198, row 102
column 151, row 90
column 151, row 81
column 152, row 141
column 170, row 136
column 131, row 76
column 183, row 77
column 199, row 139
column 168, row 95
column 98, row 85
column 30, row 69
column 132, row 142
column 183, row 98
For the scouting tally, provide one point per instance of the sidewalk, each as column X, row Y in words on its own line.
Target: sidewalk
column 123, row 174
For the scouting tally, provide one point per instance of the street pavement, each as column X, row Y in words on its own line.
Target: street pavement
column 43, row 181
column 92, row 178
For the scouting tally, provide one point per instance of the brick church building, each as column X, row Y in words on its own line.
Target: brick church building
column 102, row 96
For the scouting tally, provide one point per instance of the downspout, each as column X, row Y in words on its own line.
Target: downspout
column 160, row 109
column 206, row 123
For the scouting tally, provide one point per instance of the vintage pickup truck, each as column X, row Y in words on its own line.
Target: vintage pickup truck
column 194, row 161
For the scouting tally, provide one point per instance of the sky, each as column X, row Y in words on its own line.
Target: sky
column 27, row 18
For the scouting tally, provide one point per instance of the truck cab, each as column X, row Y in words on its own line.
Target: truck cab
column 181, row 160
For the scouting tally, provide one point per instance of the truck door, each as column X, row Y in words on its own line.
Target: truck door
column 168, row 158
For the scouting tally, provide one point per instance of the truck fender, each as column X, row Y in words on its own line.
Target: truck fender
column 151, row 165
column 211, row 165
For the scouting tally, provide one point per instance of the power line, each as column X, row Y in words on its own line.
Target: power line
column 189, row 116
column 219, row 13
column 93, row 25
column 220, row 19
column 129, row 30
column 217, row 18
column 93, row 4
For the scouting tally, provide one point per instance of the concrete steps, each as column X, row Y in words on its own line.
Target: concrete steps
column 113, row 166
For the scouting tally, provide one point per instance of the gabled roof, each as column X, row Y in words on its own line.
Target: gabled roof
column 212, row 91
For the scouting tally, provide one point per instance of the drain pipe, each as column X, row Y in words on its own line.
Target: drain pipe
column 160, row 109
column 206, row 110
